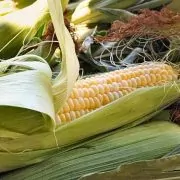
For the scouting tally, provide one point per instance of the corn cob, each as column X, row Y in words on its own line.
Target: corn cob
column 95, row 92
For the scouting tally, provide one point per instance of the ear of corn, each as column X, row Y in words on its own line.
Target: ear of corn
column 18, row 30
column 133, row 108
column 145, row 142
column 93, row 93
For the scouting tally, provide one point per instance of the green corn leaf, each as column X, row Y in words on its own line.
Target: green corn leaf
column 166, row 168
column 6, row 7
column 89, row 11
column 16, row 30
column 150, row 5
column 64, row 82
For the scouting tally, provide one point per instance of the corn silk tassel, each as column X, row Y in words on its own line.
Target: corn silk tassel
column 28, row 129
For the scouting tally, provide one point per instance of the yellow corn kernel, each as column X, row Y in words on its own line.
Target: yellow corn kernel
column 97, row 102
column 106, row 88
column 95, row 88
column 106, row 99
column 73, row 115
column 86, row 92
column 134, row 83
column 91, row 92
column 143, row 81
column 123, row 84
column 87, row 104
column 92, row 103
column 110, row 96
column 138, row 81
column 77, row 105
column 66, row 107
column 101, row 88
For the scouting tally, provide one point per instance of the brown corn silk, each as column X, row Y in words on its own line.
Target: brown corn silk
column 162, row 24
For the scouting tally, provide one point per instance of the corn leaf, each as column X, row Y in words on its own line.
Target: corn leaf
column 26, row 95
column 64, row 83
column 163, row 168
column 89, row 11
column 28, row 129
column 150, row 5
column 18, row 30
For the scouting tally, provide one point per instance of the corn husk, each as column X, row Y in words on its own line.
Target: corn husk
column 16, row 30
column 33, row 100
column 91, row 11
column 162, row 168
column 145, row 142
column 6, row 7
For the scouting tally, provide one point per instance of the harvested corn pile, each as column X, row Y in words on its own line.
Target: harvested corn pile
column 54, row 125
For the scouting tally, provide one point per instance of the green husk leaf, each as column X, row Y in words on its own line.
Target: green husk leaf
column 150, row 5
column 89, row 11
column 63, row 84
column 166, row 168
column 28, row 133
column 114, row 14
column 23, row 3
column 145, row 142
column 17, row 31
column 26, row 81
column 6, row 7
